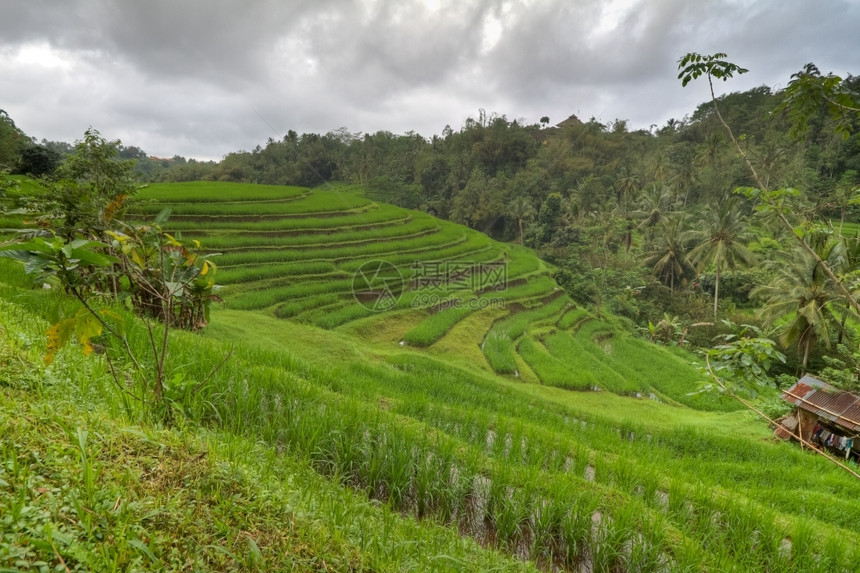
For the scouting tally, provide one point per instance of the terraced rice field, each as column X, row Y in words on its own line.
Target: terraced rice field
column 632, row 472
column 330, row 256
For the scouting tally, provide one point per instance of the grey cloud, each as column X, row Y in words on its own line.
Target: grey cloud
column 204, row 78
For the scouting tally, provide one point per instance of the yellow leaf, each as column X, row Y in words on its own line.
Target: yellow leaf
column 118, row 236
column 196, row 243
column 58, row 334
column 204, row 269
column 114, row 206
column 172, row 241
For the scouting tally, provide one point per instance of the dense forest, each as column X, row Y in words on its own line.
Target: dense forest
column 643, row 224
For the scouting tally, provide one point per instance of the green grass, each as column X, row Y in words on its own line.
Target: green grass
column 385, row 457
column 549, row 369
column 104, row 495
column 435, row 326
column 237, row 240
column 316, row 202
column 668, row 374
column 588, row 365
column 337, row 220
column 216, row 192
column 237, row 211
column 498, row 344
column 572, row 318
column 443, row 239
column 257, row 273
column 342, row 442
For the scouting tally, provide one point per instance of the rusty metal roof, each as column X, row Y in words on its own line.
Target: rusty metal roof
column 825, row 401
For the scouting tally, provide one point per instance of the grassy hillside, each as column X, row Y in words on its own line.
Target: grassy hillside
column 414, row 435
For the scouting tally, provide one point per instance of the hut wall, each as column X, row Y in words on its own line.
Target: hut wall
column 807, row 423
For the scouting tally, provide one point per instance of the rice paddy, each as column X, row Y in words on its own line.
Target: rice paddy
column 608, row 461
column 295, row 253
column 281, row 257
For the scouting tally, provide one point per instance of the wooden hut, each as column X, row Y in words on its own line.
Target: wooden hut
column 823, row 415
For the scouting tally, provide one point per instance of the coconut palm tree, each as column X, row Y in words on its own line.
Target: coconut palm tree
column 654, row 205
column 521, row 209
column 685, row 178
column 668, row 256
column 719, row 239
column 802, row 292
column 626, row 186
column 626, row 189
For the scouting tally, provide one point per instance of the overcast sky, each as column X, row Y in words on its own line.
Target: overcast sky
column 203, row 78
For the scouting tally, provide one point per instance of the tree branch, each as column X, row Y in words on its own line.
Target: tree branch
column 779, row 211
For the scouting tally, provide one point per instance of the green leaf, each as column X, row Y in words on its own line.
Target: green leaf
column 91, row 257
column 17, row 254
column 162, row 217
column 143, row 548
column 37, row 244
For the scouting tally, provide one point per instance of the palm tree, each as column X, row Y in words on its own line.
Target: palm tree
column 685, row 177
column 626, row 188
column 521, row 209
column 802, row 291
column 654, row 205
column 709, row 152
column 668, row 256
column 719, row 241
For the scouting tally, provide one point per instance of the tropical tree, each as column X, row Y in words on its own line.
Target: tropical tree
column 803, row 292
column 668, row 255
column 12, row 141
column 89, row 190
column 627, row 187
column 521, row 209
column 94, row 255
column 803, row 99
column 719, row 241
column 654, row 205
column 684, row 178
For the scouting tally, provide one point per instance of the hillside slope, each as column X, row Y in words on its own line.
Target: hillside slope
column 544, row 433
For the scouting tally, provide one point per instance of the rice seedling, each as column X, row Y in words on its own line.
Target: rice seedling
column 549, row 369
column 497, row 350
column 13, row 222
column 515, row 325
column 293, row 201
column 216, row 192
column 257, row 299
column 466, row 249
column 572, row 318
column 300, row 224
column 611, row 538
column 251, row 274
column 497, row 345
column 238, row 239
column 380, row 249
column 430, row 438
column 294, row 308
column 590, row 363
column 435, row 326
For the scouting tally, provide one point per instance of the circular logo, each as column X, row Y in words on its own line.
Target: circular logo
column 377, row 285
